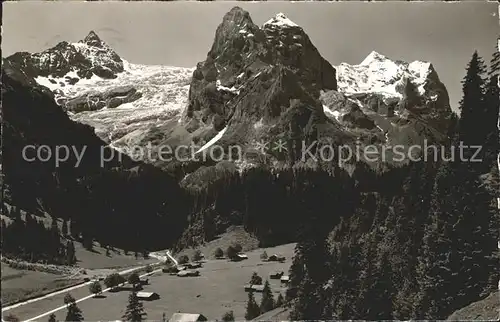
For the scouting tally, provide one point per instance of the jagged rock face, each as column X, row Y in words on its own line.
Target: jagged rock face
column 86, row 58
column 251, row 74
column 271, row 82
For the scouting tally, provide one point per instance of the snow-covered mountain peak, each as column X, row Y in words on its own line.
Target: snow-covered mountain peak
column 379, row 74
column 97, row 87
column 280, row 20
column 373, row 57
column 79, row 60
column 254, row 82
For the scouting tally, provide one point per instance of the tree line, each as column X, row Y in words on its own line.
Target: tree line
column 30, row 240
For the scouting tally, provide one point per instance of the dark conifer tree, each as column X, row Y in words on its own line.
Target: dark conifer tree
column 308, row 303
column 134, row 311
column 475, row 238
column 255, row 279
column 64, row 229
column 280, row 301
column 473, row 108
column 74, row 230
column 492, row 101
column 87, row 241
column 434, row 273
column 267, row 302
column 253, row 309
column 458, row 256
column 74, row 313
column 68, row 299
column 228, row 316
column 17, row 228
column 70, row 253
column 297, row 273
column 3, row 227
column 495, row 61
column 56, row 239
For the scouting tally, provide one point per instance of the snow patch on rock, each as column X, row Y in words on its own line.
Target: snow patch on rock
column 280, row 20
column 336, row 114
column 221, row 87
column 212, row 141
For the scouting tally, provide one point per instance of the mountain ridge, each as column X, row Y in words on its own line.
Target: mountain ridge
column 86, row 58
column 254, row 83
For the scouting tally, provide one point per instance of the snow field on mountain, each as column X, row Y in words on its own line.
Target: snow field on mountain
column 378, row 74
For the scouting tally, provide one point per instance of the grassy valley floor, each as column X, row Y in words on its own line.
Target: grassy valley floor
column 218, row 289
column 23, row 284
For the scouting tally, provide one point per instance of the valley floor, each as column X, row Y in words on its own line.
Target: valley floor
column 218, row 289
column 22, row 284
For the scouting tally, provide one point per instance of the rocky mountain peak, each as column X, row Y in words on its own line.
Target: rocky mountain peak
column 237, row 15
column 67, row 63
column 92, row 39
column 234, row 24
column 276, row 64
column 271, row 76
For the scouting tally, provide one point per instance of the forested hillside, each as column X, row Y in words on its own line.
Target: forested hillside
column 421, row 251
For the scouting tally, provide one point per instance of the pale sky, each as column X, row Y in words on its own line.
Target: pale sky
column 181, row 33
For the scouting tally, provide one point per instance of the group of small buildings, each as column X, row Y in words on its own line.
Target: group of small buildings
column 284, row 279
column 254, row 288
column 280, row 275
column 176, row 317
column 239, row 257
column 187, row 317
column 275, row 258
column 148, row 296
column 185, row 270
column 188, row 273
column 184, row 317
column 193, row 265
column 190, row 269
